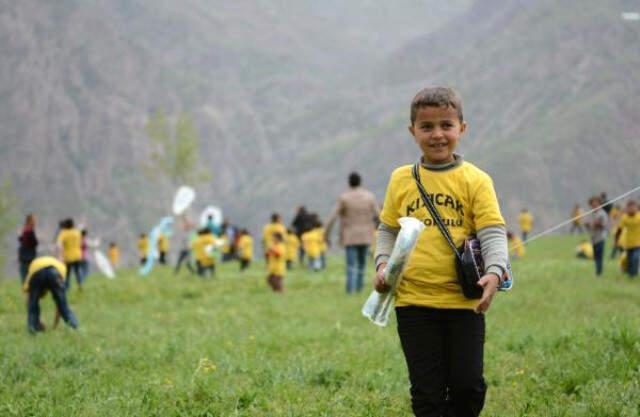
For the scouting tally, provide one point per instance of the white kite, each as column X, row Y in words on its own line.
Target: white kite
column 103, row 264
column 183, row 199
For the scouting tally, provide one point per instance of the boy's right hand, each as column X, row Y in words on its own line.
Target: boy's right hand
column 378, row 282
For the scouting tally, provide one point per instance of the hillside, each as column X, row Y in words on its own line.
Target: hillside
column 79, row 78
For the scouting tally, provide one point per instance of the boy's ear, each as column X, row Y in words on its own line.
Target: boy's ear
column 463, row 127
column 412, row 130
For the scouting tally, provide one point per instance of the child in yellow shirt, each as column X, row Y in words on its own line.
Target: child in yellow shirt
column 276, row 262
column 114, row 254
column 293, row 245
column 630, row 226
column 245, row 249
column 70, row 244
column 441, row 331
column 163, row 248
column 203, row 249
column 143, row 248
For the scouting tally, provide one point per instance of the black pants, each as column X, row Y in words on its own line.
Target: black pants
column 76, row 268
column 47, row 279
column 444, row 353
column 162, row 259
column 598, row 256
column 185, row 255
column 205, row 271
column 244, row 264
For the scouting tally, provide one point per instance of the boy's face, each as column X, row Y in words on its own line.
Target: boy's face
column 632, row 208
column 437, row 131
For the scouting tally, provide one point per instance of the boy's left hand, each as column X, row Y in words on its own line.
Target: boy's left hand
column 489, row 283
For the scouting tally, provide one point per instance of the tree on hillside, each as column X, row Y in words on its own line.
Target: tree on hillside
column 174, row 151
column 7, row 219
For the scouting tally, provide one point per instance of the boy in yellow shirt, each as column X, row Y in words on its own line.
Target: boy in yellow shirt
column 441, row 331
column 630, row 224
column 163, row 248
column 269, row 229
column 293, row 246
column 143, row 248
column 46, row 274
column 526, row 223
column 202, row 248
column 516, row 248
column 576, row 224
column 114, row 254
column 311, row 245
column 245, row 249
column 70, row 244
column 276, row 262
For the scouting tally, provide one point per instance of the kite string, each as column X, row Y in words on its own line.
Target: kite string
column 573, row 219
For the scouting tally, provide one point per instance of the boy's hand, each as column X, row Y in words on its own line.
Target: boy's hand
column 378, row 282
column 489, row 283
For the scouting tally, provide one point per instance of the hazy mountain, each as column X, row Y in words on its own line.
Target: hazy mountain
column 289, row 97
column 78, row 80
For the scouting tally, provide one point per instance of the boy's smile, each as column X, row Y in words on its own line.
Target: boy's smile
column 437, row 131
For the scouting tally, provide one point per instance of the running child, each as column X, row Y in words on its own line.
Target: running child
column 441, row 331
column 276, row 262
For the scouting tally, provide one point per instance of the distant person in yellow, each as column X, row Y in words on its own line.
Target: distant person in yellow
column 630, row 223
column 584, row 250
column 576, row 224
column 203, row 246
column 163, row 248
column 525, row 219
column 143, row 248
column 516, row 248
column 311, row 242
column 245, row 249
column 275, row 226
column 293, row 246
column 114, row 254
column 70, row 245
column 226, row 247
column 46, row 274
column 276, row 262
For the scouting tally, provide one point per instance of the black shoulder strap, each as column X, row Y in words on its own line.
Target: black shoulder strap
column 433, row 211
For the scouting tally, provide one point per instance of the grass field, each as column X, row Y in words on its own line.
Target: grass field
column 562, row 343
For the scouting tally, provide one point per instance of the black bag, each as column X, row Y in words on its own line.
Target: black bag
column 468, row 257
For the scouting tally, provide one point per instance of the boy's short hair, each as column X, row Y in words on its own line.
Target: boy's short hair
column 595, row 199
column 436, row 97
column 275, row 217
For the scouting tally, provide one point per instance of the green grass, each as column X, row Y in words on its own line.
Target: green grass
column 562, row 343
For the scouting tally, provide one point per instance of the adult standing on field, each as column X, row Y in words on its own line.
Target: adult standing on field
column 27, row 250
column 358, row 213
column 598, row 228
